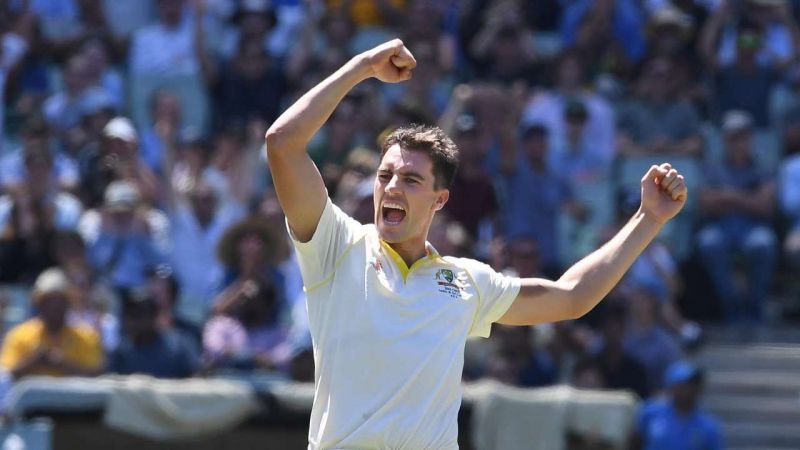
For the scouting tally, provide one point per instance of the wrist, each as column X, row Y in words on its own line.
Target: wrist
column 361, row 67
column 649, row 220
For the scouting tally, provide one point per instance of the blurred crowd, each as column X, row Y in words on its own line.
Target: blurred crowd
column 138, row 219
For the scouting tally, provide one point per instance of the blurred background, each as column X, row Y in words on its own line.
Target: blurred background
column 139, row 232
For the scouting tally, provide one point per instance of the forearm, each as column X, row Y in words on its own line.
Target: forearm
column 593, row 277
column 297, row 125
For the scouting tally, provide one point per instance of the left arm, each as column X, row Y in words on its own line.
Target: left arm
column 592, row 278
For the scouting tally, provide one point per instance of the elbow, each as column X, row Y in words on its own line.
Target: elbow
column 273, row 137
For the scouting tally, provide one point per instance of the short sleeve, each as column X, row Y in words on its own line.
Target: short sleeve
column 13, row 351
column 496, row 293
column 335, row 233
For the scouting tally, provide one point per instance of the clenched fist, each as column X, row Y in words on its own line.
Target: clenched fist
column 390, row 62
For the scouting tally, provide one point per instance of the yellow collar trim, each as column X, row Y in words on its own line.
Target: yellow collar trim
column 431, row 256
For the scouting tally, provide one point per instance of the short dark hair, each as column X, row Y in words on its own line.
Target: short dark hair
column 433, row 141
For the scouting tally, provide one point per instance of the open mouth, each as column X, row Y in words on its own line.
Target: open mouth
column 393, row 213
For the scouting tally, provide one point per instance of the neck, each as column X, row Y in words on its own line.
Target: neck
column 53, row 329
column 410, row 251
column 685, row 408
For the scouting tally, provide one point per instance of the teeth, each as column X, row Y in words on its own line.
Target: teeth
column 393, row 206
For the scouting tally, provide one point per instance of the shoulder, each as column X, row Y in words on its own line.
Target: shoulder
column 24, row 331
column 653, row 408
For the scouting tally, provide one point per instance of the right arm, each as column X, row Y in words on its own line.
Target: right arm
column 297, row 180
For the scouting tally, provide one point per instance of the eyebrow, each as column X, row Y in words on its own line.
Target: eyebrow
column 405, row 173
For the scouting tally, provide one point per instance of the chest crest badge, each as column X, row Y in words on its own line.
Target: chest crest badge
column 446, row 280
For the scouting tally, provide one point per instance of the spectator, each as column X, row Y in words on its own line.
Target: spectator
column 125, row 238
column 254, row 21
column 516, row 361
column 171, row 54
column 605, row 30
column 745, row 80
column 251, row 250
column 36, row 141
column 353, row 192
column 164, row 131
column 670, row 33
column 250, row 87
column 523, row 258
column 146, row 348
column 164, row 287
column 575, row 159
column 677, row 422
column 548, row 107
column 119, row 158
column 789, row 190
column 100, row 73
column 198, row 219
column 47, row 344
column 246, row 333
column 474, row 201
column 30, row 217
column 341, row 134
column 63, row 108
column 646, row 340
column 734, row 23
column 14, row 44
column 529, row 182
column 619, row 369
column 738, row 203
column 96, row 305
column 503, row 48
column 656, row 120
column 428, row 90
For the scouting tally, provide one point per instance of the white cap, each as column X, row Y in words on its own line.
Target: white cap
column 120, row 128
column 121, row 195
column 51, row 281
column 670, row 15
column 257, row 6
column 736, row 121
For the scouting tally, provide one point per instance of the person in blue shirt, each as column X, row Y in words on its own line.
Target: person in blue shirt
column 677, row 422
column 149, row 349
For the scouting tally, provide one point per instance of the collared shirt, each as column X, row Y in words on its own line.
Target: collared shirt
column 79, row 345
column 388, row 339
column 194, row 248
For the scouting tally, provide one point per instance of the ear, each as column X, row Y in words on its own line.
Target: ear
column 442, row 198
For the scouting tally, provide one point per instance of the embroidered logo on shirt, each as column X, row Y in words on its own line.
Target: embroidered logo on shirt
column 445, row 278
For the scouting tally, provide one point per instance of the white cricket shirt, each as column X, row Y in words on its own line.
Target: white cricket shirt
column 389, row 340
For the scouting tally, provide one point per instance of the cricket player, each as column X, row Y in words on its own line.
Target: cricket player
column 389, row 315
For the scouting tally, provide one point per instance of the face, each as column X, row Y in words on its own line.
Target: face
column 523, row 257
column 251, row 248
column 204, row 202
column 738, row 146
column 53, row 310
column 170, row 11
column 405, row 198
column 686, row 394
column 252, row 61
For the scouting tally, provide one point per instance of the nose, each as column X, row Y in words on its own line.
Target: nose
column 392, row 185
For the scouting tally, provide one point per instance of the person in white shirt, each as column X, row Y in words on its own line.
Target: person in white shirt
column 389, row 316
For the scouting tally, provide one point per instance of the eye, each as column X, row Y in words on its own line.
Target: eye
column 412, row 181
column 384, row 176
